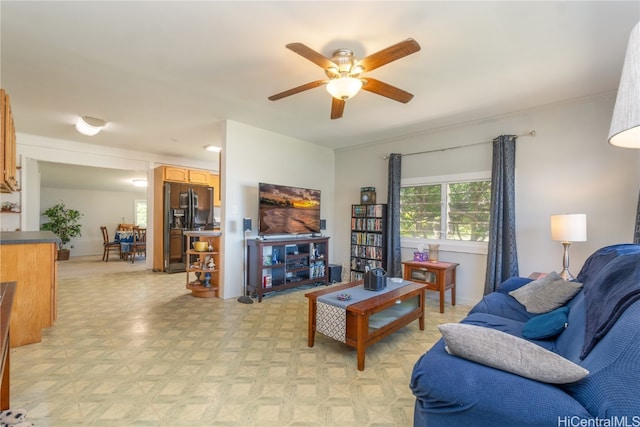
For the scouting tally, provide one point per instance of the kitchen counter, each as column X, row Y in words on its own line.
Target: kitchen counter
column 21, row 237
column 209, row 233
column 29, row 259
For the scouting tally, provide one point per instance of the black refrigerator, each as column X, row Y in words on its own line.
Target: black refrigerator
column 187, row 207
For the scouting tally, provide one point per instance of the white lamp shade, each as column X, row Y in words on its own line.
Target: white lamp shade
column 569, row 227
column 89, row 126
column 625, row 123
column 344, row 87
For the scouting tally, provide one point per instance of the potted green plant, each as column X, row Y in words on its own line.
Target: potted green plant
column 64, row 223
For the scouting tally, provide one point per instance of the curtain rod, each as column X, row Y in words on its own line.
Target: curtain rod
column 530, row 133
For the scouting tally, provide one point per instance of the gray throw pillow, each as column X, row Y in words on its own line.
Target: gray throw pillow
column 509, row 353
column 546, row 293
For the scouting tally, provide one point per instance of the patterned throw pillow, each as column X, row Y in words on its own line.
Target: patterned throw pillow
column 509, row 353
column 546, row 294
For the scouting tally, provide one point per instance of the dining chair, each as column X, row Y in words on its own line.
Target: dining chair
column 139, row 244
column 108, row 245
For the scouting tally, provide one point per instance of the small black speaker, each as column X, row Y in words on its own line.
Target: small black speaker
column 323, row 224
column 246, row 224
column 335, row 273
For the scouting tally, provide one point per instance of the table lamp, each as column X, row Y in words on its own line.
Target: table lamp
column 567, row 228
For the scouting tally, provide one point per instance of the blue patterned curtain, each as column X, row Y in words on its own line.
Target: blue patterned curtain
column 502, row 255
column 394, row 262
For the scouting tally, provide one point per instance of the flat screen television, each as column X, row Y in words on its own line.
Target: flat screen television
column 288, row 210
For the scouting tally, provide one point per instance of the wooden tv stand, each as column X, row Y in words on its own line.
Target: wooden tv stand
column 279, row 264
column 366, row 324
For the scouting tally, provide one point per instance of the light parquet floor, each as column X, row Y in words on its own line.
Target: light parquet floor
column 134, row 348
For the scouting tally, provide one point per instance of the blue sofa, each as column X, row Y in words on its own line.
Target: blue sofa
column 602, row 336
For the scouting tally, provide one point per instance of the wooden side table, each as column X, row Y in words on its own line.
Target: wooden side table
column 439, row 276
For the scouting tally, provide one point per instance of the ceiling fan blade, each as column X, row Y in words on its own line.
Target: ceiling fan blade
column 298, row 89
column 397, row 51
column 337, row 108
column 311, row 55
column 384, row 89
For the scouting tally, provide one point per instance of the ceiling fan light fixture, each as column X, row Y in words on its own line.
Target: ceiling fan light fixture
column 344, row 87
column 89, row 126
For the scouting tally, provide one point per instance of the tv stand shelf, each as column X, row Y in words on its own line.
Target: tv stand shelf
column 276, row 265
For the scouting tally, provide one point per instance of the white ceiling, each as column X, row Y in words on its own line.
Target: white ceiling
column 166, row 73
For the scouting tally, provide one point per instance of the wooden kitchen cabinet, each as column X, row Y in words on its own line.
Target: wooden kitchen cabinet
column 199, row 177
column 29, row 259
column 186, row 175
column 9, row 181
column 215, row 183
column 175, row 174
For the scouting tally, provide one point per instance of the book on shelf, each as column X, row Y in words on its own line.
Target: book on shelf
column 267, row 281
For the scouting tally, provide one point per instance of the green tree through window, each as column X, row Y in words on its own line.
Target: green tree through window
column 450, row 210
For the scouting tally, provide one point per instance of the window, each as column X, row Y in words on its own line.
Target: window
column 140, row 213
column 451, row 208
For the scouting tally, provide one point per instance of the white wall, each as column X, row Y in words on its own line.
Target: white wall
column 99, row 208
column 568, row 167
column 249, row 156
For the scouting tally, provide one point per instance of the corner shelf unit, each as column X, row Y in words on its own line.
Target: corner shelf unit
column 279, row 264
column 203, row 278
column 368, row 239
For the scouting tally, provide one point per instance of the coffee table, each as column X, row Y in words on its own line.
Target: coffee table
column 374, row 318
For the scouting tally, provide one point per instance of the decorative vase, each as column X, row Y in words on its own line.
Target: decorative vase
column 207, row 280
column 434, row 252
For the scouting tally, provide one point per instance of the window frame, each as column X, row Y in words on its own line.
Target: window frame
column 463, row 246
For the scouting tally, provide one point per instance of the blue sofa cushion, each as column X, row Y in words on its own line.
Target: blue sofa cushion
column 503, row 305
column 451, row 391
column 546, row 325
column 612, row 387
column 546, row 294
column 509, row 353
column 513, row 283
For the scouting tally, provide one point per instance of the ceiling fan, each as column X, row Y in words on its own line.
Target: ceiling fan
column 343, row 72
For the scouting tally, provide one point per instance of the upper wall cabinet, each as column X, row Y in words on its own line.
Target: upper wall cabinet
column 186, row 175
column 216, row 192
column 193, row 176
column 174, row 174
column 9, row 182
column 199, row 177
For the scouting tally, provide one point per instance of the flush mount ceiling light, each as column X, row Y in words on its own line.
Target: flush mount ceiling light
column 89, row 126
column 140, row 182
column 213, row 148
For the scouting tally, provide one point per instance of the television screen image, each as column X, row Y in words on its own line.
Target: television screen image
column 288, row 210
